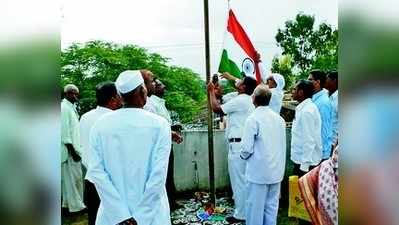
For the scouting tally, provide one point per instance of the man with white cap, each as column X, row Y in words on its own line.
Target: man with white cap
column 276, row 84
column 129, row 151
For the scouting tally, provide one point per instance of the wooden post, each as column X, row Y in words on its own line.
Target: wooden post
column 210, row 113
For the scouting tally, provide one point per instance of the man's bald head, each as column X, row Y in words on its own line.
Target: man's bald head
column 148, row 77
column 71, row 93
column 261, row 95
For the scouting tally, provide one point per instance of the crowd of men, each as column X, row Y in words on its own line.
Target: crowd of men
column 125, row 146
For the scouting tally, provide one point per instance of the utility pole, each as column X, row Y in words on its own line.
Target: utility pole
column 210, row 113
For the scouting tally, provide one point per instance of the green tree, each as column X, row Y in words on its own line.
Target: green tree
column 310, row 47
column 90, row 63
column 283, row 66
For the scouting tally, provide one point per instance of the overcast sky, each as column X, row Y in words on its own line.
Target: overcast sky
column 174, row 28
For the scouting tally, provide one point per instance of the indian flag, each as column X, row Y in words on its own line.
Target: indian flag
column 238, row 56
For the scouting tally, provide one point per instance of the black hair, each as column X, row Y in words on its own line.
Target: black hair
column 104, row 92
column 319, row 75
column 307, row 87
column 250, row 85
column 333, row 75
column 263, row 99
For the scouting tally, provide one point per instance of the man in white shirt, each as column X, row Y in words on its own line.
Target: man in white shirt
column 264, row 148
column 157, row 97
column 237, row 110
column 71, row 166
column 149, row 83
column 153, row 105
column 129, row 151
column 156, row 105
column 276, row 83
column 306, row 147
column 332, row 87
column 107, row 101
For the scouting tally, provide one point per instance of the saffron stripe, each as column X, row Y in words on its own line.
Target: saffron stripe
column 235, row 28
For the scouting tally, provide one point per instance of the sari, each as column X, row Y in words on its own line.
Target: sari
column 319, row 190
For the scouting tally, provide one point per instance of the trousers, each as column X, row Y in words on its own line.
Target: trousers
column 236, row 167
column 262, row 203
column 92, row 201
column 170, row 184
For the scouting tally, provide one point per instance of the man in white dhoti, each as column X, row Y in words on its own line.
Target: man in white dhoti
column 129, row 151
column 71, row 166
column 237, row 110
column 264, row 149
column 107, row 100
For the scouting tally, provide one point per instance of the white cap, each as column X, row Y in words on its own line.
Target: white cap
column 128, row 80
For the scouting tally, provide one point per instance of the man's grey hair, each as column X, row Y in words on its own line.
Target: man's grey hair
column 262, row 90
column 263, row 94
column 70, row 87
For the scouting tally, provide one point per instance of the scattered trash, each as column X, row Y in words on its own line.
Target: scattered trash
column 199, row 211
column 220, row 210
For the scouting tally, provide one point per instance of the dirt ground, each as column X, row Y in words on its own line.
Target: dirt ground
column 184, row 207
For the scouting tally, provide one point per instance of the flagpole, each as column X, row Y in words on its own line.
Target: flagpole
column 210, row 113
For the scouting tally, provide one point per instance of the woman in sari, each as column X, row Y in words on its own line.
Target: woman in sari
column 319, row 190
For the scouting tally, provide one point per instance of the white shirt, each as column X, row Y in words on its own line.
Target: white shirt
column 69, row 128
column 129, row 155
column 237, row 109
column 227, row 97
column 334, row 104
column 306, row 147
column 264, row 146
column 160, row 108
column 276, row 101
column 86, row 123
column 150, row 105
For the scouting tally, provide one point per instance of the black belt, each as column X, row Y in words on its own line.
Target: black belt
column 235, row 140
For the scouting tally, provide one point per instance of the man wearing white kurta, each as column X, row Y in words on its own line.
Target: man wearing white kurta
column 237, row 109
column 157, row 105
column 129, row 151
column 276, row 84
column 107, row 100
column 71, row 166
column 263, row 147
column 159, row 101
column 306, row 145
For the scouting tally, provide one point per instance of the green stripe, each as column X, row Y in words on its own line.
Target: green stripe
column 227, row 65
